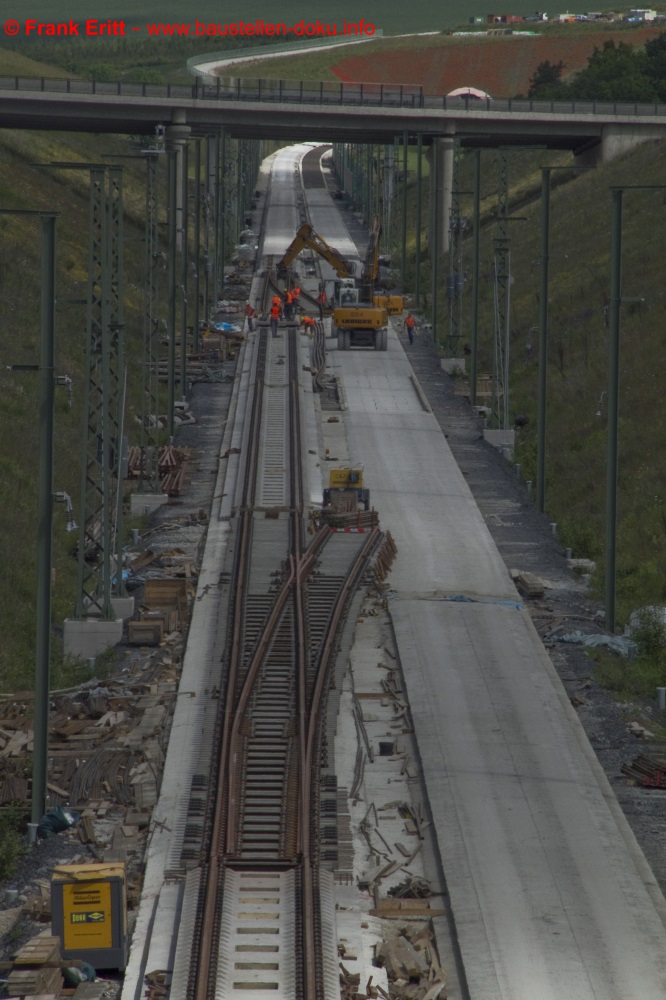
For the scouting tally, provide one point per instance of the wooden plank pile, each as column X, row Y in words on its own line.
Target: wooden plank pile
column 164, row 609
column 337, row 516
column 94, row 760
column 172, row 465
column 36, row 969
column 649, row 772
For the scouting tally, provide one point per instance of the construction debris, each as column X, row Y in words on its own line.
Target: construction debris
column 36, row 968
column 412, row 965
column 411, row 888
column 172, row 465
column 528, row 584
column 646, row 771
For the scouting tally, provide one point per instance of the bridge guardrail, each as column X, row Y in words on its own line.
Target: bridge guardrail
column 325, row 92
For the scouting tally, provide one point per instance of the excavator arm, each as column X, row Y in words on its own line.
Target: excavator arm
column 371, row 262
column 307, row 239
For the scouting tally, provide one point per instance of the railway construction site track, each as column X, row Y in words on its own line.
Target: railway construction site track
column 258, row 922
column 543, row 890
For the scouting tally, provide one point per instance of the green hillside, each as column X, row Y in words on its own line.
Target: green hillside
column 24, row 186
column 21, row 64
column 579, row 286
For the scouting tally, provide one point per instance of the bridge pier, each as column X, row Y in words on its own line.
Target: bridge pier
column 441, row 187
column 175, row 140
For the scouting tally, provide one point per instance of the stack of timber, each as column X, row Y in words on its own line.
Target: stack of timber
column 36, row 969
column 352, row 519
column 646, row 771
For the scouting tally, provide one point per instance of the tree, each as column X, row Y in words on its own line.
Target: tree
column 655, row 64
column 614, row 73
column 546, row 81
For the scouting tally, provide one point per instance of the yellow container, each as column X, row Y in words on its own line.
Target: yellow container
column 89, row 913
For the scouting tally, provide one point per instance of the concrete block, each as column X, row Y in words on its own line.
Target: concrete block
column 453, row 366
column 91, row 637
column 146, row 503
column 123, row 607
column 504, row 441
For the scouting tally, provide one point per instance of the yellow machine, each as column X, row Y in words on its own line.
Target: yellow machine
column 348, row 482
column 307, row 239
column 361, row 325
column 394, row 304
column 363, row 322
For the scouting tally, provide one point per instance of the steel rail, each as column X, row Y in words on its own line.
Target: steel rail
column 297, row 572
column 241, row 572
column 269, row 729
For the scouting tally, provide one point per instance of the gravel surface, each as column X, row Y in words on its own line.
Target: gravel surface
column 526, row 541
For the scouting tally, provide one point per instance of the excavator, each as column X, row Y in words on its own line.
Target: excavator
column 360, row 323
column 307, row 239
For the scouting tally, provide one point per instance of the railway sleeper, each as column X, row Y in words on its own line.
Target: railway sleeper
column 272, row 776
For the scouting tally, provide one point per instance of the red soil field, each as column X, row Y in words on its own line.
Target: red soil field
column 500, row 65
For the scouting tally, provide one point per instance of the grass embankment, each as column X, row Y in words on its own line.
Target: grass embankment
column 580, row 251
column 25, row 186
column 133, row 58
column 21, row 64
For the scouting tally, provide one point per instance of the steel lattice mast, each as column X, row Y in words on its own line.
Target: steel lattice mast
column 149, row 479
column 99, row 539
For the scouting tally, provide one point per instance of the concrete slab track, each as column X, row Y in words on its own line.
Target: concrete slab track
column 551, row 894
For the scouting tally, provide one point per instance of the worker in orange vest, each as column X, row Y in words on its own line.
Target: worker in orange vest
column 309, row 325
column 295, row 292
column 277, row 301
column 289, row 304
column 410, row 323
column 275, row 318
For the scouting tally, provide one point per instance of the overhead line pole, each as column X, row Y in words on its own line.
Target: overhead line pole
column 184, row 261
column 543, row 333
column 616, row 300
column 172, row 160
column 476, row 223
column 419, row 178
column 47, row 382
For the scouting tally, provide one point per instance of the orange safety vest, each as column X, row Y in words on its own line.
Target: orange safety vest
column 410, row 322
column 289, row 297
column 277, row 301
column 296, row 292
column 275, row 312
column 308, row 321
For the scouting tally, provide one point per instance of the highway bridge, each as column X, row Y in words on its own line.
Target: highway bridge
column 330, row 112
